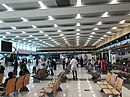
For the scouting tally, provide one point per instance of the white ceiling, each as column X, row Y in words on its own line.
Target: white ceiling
column 64, row 13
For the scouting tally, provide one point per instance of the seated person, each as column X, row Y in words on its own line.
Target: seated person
column 10, row 76
column 21, row 73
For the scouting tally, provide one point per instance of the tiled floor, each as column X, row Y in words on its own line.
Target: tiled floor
column 72, row 88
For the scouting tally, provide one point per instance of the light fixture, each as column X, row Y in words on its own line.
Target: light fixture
column 105, row 14
column 12, row 39
column 29, row 41
column 23, row 32
column 79, row 3
column 59, row 30
column 46, row 35
column 101, row 38
column 122, row 22
column 55, row 25
column 36, row 38
column 40, row 31
column 43, row 42
column 93, row 33
column 52, row 40
column 8, row 33
column 77, row 29
column 1, row 21
column 99, row 23
column 24, row 20
column 24, row 38
column 88, row 40
column 78, row 16
column 63, row 37
column 104, row 35
column 77, row 36
column 40, row 40
column 49, row 38
column 13, row 27
column 42, row 5
column 50, row 18
column 7, row 7
column 95, row 29
column 114, row 2
column 109, row 32
column 77, row 33
column 114, row 28
column 91, row 36
column 78, row 24
column 17, row 36
column 4, row 36
column 61, row 34
column 34, row 26
column 30, row 36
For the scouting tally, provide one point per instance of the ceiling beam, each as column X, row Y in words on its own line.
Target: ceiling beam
column 65, row 21
column 66, row 11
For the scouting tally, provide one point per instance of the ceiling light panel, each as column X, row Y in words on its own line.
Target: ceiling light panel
column 24, row 20
column 105, row 14
column 7, row 7
column 114, row 2
column 79, row 3
column 78, row 16
column 42, row 5
column 50, row 18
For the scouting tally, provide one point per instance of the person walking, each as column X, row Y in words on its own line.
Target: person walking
column 73, row 64
column 81, row 62
column 15, row 66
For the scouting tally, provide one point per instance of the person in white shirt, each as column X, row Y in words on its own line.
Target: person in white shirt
column 73, row 64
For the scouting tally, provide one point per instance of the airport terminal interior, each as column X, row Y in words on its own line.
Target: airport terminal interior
column 64, row 48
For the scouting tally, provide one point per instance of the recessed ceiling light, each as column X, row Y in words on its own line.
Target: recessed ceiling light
column 50, row 18
column 29, row 41
column 77, row 36
column 1, row 21
column 78, row 16
column 42, row 5
column 99, row 23
column 91, row 36
column 13, row 27
column 61, row 34
column 114, row 28
column 109, row 32
column 79, row 3
column 4, row 36
column 17, row 36
column 19, row 41
column 114, row 2
column 24, row 20
column 46, row 35
column 24, row 38
column 43, row 42
column 77, row 33
column 105, row 14
column 122, row 22
column 30, row 35
column 36, row 38
column 101, row 38
column 23, row 32
column 40, row 40
column 34, row 26
column 88, row 40
column 78, row 24
column 7, row 7
column 59, row 30
column 34, row 42
column 105, row 35
column 40, row 31
column 52, row 40
column 8, row 33
column 49, row 38
column 77, row 29
column 95, row 29
column 93, row 33
column 12, row 39
column 55, row 25
column 63, row 37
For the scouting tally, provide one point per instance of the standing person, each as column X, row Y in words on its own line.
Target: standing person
column 81, row 62
column 54, row 64
column 2, row 68
column 51, row 66
column 15, row 66
column 63, row 63
column 73, row 64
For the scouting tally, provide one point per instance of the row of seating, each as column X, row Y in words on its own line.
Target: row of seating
column 51, row 88
column 15, row 84
column 112, row 85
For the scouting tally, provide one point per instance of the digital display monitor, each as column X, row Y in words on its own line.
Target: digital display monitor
column 6, row 46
